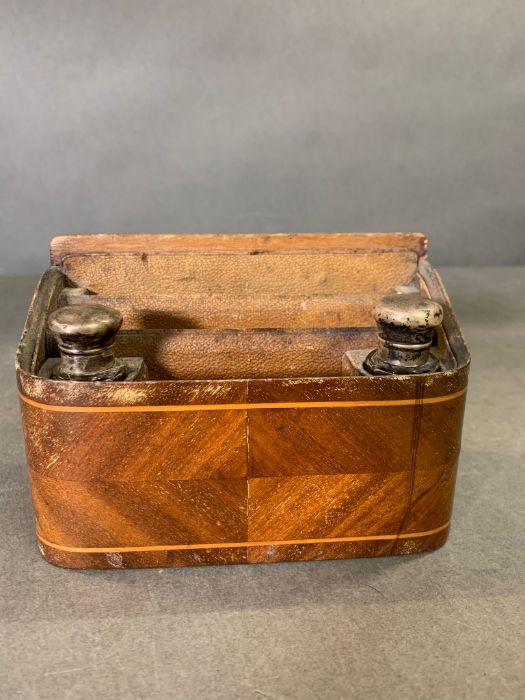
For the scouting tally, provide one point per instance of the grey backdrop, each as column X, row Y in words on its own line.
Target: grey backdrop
column 242, row 115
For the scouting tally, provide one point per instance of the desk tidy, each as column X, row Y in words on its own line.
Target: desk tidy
column 195, row 399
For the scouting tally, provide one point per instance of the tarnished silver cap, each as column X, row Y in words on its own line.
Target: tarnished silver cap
column 406, row 325
column 85, row 334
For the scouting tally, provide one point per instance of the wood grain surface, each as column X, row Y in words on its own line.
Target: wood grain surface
column 248, row 444
column 248, row 243
column 215, row 491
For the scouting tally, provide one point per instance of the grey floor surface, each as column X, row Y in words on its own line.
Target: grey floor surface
column 442, row 625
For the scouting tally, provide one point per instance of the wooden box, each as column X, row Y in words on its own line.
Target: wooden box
column 253, row 440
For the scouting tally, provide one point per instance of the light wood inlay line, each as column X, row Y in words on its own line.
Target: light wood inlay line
column 239, row 406
column 227, row 545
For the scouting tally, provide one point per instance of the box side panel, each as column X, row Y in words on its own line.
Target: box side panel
column 436, row 290
column 31, row 350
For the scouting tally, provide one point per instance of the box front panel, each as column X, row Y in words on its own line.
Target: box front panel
column 260, row 482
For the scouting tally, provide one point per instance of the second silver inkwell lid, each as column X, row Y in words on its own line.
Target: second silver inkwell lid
column 406, row 326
